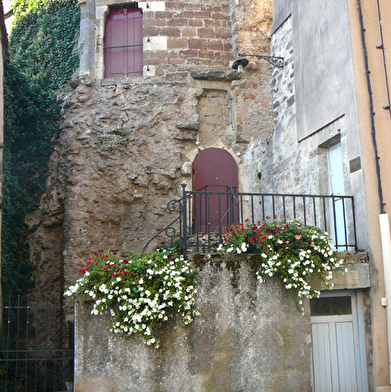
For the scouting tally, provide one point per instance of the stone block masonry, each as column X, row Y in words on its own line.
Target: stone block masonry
column 177, row 35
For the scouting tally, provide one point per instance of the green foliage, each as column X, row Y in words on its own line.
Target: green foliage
column 292, row 251
column 45, row 30
column 43, row 56
column 140, row 291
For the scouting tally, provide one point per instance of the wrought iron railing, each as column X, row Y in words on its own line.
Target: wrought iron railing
column 204, row 215
column 36, row 345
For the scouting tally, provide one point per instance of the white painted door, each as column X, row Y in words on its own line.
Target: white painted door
column 338, row 224
column 337, row 326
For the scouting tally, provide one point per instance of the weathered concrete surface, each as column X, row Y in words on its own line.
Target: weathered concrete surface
column 249, row 337
column 357, row 276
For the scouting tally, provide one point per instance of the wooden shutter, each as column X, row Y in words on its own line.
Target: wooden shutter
column 124, row 43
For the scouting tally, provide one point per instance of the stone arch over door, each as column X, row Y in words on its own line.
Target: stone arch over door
column 214, row 170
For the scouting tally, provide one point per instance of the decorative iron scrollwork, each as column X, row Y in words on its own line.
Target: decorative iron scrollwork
column 170, row 231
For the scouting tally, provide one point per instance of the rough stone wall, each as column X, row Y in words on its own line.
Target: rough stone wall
column 127, row 145
column 249, row 337
column 254, row 20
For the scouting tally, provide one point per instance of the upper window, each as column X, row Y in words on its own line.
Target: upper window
column 124, row 43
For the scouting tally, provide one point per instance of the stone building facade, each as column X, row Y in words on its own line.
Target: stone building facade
column 331, row 114
column 127, row 144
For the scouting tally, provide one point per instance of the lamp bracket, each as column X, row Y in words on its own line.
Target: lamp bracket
column 273, row 60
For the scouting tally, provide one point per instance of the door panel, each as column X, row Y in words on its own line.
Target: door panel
column 339, row 361
column 346, row 357
column 214, row 170
column 321, row 357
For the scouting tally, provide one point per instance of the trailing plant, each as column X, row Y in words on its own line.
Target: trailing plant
column 138, row 291
column 291, row 251
column 42, row 57
column 43, row 42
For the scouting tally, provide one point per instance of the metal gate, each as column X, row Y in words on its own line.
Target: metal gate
column 36, row 346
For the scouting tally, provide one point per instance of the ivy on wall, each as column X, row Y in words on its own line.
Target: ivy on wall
column 42, row 57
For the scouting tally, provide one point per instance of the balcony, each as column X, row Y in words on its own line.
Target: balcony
column 201, row 217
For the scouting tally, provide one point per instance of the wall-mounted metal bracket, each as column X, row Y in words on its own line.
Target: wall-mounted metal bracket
column 273, row 60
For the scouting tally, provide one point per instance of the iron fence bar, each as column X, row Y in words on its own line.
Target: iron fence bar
column 17, row 342
column 35, row 352
column 284, row 207
column 335, row 222
column 27, row 339
column 8, row 338
column 294, row 206
column 354, row 224
column 241, row 215
column 324, row 214
column 272, row 194
column 345, row 225
column 314, row 208
column 196, row 220
column 273, row 207
column 60, row 337
column 207, row 214
column 36, row 362
column 220, row 217
column 304, row 211
column 184, row 212
column 252, row 208
column 46, row 344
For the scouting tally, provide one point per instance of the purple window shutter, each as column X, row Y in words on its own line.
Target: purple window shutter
column 135, row 42
column 124, row 43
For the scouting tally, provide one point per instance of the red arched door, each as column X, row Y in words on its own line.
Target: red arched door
column 215, row 174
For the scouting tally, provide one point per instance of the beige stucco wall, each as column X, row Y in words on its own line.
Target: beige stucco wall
column 382, row 123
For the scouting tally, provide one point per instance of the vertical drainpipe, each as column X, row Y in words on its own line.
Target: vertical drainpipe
column 386, row 251
column 383, row 217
